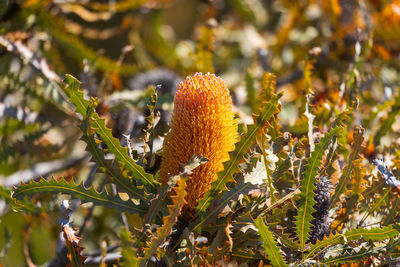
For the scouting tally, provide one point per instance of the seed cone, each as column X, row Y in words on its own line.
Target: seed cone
column 202, row 124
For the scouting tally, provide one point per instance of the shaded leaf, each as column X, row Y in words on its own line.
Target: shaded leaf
column 233, row 194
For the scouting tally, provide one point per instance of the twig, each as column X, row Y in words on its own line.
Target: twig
column 390, row 179
column 39, row 64
column 310, row 117
column 109, row 258
column 99, row 251
column 66, row 211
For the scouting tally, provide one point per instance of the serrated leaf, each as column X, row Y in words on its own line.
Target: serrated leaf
column 307, row 187
column 232, row 194
column 344, row 118
column 151, row 120
column 121, row 153
column 373, row 234
column 346, row 174
column 76, row 190
column 352, row 257
column 123, row 181
column 230, row 167
column 15, row 204
column 178, row 201
column 271, row 249
column 50, row 94
column 281, row 201
column 157, row 203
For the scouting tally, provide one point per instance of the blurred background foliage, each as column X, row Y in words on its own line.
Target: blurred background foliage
column 337, row 49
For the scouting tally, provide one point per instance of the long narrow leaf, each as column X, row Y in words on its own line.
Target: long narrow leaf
column 307, row 194
column 178, row 201
column 269, row 244
column 373, row 234
column 123, row 181
column 352, row 257
column 121, row 153
column 76, row 190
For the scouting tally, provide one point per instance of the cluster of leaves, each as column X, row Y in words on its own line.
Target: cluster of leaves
column 313, row 178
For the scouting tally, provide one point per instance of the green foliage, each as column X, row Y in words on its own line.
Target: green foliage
column 232, row 194
column 76, row 190
column 98, row 124
column 373, row 234
column 307, row 187
column 174, row 210
column 15, row 204
column 157, row 203
column 270, row 245
column 300, row 188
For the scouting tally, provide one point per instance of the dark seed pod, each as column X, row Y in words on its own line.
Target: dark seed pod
column 320, row 226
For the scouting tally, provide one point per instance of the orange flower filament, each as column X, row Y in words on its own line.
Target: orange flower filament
column 202, row 124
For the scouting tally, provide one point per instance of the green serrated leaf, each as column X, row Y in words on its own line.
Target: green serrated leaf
column 98, row 124
column 271, row 249
column 230, row 167
column 307, row 187
column 178, row 201
column 123, row 181
column 352, row 257
column 240, row 188
column 373, row 234
column 152, row 121
column 158, row 203
column 76, row 190
column 16, row 204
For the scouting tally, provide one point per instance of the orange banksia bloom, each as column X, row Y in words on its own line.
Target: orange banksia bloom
column 202, row 124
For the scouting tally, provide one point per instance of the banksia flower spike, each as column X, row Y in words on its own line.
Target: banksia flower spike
column 202, row 124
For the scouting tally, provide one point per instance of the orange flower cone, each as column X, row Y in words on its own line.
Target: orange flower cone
column 202, row 124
